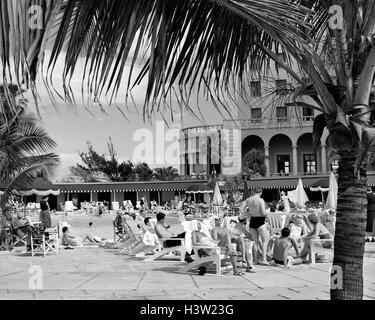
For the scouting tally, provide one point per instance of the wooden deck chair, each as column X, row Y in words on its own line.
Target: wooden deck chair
column 135, row 235
column 143, row 248
column 119, row 233
column 19, row 241
column 168, row 251
column 163, row 252
column 276, row 222
column 40, row 244
column 321, row 247
column 215, row 257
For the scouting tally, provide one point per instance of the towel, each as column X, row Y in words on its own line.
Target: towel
column 150, row 239
column 205, row 229
column 209, row 223
column 189, row 228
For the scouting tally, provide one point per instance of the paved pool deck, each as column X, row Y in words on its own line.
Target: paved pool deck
column 98, row 273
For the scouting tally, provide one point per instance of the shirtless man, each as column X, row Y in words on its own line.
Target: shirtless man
column 254, row 209
column 281, row 250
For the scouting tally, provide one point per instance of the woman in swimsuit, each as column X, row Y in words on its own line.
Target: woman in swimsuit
column 319, row 231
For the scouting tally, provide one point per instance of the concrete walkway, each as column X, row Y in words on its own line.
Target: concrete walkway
column 97, row 273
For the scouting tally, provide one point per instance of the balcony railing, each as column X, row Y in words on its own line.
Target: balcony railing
column 308, row 119
column 201, row 129
column 247, row 123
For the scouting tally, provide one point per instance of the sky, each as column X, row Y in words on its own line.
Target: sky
column 72, row 127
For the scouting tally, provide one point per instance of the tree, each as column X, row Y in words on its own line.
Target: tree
column 219, row 45
column 126, row 170
column 101, row 167
column 165, row 173
column 25, row 147
column 254, row 161
column 143, row 171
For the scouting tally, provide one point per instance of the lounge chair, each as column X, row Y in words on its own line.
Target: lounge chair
column 220, row 261
column 276, row 222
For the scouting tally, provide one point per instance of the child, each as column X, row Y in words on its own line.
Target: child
column 281, row 250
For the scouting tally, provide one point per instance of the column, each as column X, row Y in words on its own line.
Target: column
column 267, row 160
column 91, row 196
column 324, row 158
column 295, row 161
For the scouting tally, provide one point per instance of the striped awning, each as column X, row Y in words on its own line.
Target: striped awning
column 127, row 186
column 283, row 182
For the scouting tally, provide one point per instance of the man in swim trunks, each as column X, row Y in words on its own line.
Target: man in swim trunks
column 281, row 250
column 254, row 209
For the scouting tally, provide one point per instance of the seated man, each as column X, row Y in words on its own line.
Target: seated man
column 68, row 240
column 225, row 241
column 163, row 232
column 281, row 250
column 20, row 225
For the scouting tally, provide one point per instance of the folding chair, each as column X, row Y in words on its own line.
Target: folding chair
column 119, row 233
column 40, row 244
column 19, row 241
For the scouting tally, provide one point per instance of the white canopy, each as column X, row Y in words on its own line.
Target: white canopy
column 218, row 199
column 298, row 195
column 332, row 194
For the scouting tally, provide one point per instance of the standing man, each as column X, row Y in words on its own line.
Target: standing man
column 254, row 209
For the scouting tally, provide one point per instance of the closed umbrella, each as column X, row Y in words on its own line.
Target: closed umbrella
column 218, row 199
column 332, row 194
column 298, row 195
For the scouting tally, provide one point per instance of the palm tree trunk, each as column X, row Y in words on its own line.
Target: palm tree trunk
column 350, row 229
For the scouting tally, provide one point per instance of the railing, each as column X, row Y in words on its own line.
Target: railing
column 308, row 119
column 274, row 122
column 200, row 129
column 299, row 174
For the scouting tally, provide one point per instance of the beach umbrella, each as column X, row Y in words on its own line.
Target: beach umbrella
column 246, row 192
column 198, row 188
column 40, row 187
column 321, row 186
column 332, row 194
column 298, row 195
column 218, row 199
